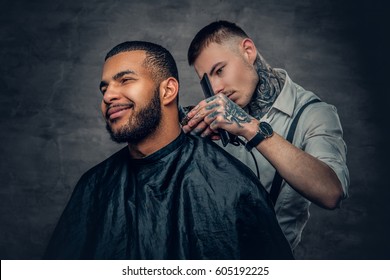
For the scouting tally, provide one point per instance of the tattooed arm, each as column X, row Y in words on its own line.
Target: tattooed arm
column 309, row 176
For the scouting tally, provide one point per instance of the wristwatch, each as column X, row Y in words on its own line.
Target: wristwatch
column 265, row 131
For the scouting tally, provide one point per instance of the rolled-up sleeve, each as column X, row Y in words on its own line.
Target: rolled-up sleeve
column 321, row 136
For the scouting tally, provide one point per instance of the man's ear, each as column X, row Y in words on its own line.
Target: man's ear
column 169, row 90
column 249, row 49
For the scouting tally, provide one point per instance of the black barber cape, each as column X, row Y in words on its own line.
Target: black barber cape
column 189, row 200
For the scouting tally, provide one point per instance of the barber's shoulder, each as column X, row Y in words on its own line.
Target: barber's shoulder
column 320, row 112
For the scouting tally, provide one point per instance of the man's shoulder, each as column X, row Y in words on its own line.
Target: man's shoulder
column 214, row 157
column 208, row 149
column 112, row 162
column 224, row 173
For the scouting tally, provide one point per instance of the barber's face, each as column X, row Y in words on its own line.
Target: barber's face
column 231, row 72
column 131, row 102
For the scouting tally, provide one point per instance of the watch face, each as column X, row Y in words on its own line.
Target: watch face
column 266, row 129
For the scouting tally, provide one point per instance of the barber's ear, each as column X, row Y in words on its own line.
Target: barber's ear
column 250, row 51
column 169, row 90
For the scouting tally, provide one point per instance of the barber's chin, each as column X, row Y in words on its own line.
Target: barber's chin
column 240, row 103
column 233, row 97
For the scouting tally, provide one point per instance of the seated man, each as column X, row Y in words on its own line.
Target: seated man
column 166, row 195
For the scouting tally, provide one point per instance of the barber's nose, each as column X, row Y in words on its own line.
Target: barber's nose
column 217, row 85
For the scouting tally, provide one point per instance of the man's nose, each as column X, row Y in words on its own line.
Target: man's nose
column 111, row 94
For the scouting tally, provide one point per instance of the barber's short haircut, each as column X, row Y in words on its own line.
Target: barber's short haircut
column 158, row 60
column 216, row 32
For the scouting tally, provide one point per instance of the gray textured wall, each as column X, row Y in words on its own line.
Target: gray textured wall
column 51, row 129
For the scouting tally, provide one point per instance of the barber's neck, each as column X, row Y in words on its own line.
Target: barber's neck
column 267, row 90
column 166, row 132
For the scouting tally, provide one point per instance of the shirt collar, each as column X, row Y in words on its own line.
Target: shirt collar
column 285, row 102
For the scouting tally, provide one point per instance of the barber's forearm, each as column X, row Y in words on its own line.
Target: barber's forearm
column 307, row 175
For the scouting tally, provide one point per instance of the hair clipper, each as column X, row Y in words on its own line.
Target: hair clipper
column 208, row 92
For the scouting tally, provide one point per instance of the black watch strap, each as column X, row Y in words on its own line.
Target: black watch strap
column 254, row 141
column 265, row 131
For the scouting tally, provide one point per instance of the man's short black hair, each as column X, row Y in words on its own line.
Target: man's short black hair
column 215, row 32
column 158, row 59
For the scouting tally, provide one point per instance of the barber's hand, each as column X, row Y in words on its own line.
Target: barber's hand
column 219, row 112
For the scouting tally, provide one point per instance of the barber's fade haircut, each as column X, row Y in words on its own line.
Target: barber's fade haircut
column 216, row 32
column 158, row 59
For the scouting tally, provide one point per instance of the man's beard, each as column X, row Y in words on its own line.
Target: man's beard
column 140, row 124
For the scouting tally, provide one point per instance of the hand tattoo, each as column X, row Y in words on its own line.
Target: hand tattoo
column 234, row 114
column 212, row 106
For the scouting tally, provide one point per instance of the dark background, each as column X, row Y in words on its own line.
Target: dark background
column 52, row 130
